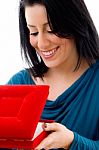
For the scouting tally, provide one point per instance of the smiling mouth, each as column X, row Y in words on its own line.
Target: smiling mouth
column 50, row 53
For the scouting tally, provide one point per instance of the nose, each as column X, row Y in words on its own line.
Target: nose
column 43, row 41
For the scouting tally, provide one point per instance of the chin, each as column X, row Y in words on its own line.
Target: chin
column 51, row 65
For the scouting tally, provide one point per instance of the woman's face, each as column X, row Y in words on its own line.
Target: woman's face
column 53, row 50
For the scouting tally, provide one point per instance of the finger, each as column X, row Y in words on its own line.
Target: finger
column 51, row 126
column 44, row 125
column 45, row 144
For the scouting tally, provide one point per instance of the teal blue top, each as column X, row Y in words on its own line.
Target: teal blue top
column 77, row 108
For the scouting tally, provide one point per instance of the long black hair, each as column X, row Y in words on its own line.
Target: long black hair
column 67, row 19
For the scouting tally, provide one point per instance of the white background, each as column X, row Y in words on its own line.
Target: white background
column 10, row 57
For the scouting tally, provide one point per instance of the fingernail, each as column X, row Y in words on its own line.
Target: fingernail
column 45, row 125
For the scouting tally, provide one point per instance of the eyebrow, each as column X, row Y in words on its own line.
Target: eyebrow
column 35, row 26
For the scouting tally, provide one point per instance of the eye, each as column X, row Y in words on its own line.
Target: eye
column 50, row 31
column 34, row 33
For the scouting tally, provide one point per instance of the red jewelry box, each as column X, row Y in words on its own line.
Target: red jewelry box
column 20, row 110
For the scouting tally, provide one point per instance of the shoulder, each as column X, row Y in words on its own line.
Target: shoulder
column 92, row 76
column 21, row 77
column 93, row 82
column 95, row 70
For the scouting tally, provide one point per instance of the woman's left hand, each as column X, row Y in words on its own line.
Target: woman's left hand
column 60, row 137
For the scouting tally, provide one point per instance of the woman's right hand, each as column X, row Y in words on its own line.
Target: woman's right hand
column 60, row 137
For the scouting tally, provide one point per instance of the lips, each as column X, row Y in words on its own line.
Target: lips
column 49, row 53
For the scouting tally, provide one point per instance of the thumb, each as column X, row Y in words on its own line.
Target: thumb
column 51, row 126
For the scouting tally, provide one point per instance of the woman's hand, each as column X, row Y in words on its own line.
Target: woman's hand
column 60, row 137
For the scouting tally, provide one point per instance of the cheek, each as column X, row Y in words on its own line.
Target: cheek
column 58, row 40
column 33, row 41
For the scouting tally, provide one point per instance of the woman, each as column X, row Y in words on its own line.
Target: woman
column 61, row 45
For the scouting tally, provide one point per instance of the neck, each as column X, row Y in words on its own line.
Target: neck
column 67, row 70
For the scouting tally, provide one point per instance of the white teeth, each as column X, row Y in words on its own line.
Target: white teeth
column 49, row 53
